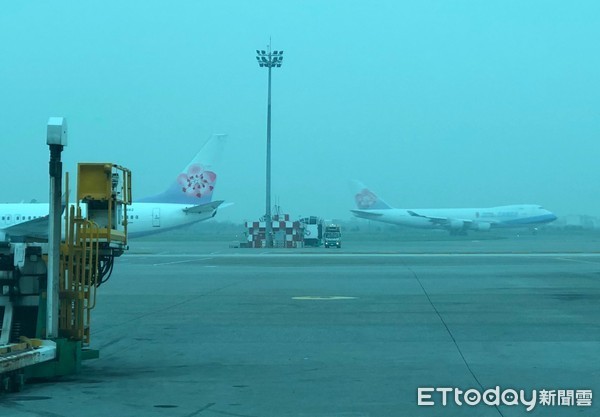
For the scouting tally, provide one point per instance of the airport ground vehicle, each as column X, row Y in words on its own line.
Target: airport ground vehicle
column 332, row 236
column 49, row 282
column 313, row 231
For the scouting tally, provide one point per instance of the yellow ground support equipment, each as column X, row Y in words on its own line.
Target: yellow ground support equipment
column 95, row 232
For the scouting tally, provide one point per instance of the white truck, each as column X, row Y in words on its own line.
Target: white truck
column 332, row 236
column 313, row 231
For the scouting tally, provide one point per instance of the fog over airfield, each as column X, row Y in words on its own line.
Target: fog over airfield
column 430, row 103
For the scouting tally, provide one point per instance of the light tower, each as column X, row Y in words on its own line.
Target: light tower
column 269, row 60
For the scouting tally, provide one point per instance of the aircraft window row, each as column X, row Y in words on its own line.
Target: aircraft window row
column 21, row 217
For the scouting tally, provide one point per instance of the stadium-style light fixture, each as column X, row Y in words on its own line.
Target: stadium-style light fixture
column 269, row 59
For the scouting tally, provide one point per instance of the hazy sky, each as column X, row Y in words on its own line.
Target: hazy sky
column 430, row 103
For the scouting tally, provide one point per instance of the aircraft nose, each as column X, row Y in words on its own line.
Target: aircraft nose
column 551, row 216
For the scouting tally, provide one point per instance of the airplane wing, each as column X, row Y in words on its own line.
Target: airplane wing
column 35, row 228
column 444, row 221
column 366, row 214
column 203, row 208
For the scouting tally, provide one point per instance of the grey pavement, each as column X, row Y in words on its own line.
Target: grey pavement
column 200, row 329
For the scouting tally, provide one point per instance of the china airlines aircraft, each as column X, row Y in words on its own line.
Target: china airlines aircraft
column 455, row 220
column 187, row 200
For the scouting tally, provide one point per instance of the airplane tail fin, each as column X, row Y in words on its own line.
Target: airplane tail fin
column 196, row 182
column 366, row 199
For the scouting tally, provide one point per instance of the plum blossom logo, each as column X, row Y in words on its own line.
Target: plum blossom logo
column 197, row 182
column 365, row 199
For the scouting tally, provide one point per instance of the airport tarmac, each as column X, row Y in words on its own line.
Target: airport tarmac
column 200, row 329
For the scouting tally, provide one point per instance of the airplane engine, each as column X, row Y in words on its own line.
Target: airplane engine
column 456, row 224
column 482, row 227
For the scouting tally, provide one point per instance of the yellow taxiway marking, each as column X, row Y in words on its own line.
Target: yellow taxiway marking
column 323, row 297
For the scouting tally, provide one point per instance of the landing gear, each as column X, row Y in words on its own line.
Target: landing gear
column 458, row 232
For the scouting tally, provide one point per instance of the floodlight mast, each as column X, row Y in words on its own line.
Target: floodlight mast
column 269, row 60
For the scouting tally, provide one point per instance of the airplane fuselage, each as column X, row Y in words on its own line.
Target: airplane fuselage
column 149, row 218
column 524, row 215
column 142, row 218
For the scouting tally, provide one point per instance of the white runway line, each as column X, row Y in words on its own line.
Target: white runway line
column 181, row 262
column 579, row 261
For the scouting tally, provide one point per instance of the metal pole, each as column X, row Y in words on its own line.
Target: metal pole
column 269, row 59
column 269, row 223
column 54, row 234
column 56, row 140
